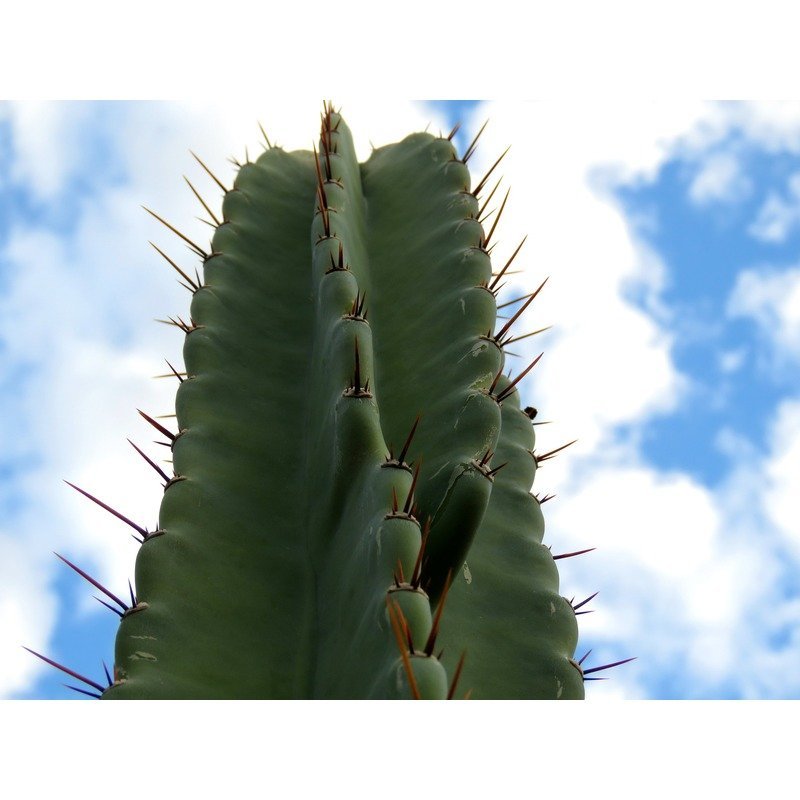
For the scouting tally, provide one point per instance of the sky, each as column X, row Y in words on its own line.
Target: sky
column 670, row 234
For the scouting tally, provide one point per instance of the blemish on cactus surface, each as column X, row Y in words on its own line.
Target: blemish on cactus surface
column 286, row 563
column 142, row 655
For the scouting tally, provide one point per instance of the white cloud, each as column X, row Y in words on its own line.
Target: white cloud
column 720, row 178
column 778, row 217
column 771, row 298
column 731, row 360
column 689, row 576
column 28, row 609
column 607, row 362
column 691, row 579
column 774, row 220
column 782, row 473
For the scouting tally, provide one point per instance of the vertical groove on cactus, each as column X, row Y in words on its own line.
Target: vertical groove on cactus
column 343, row 306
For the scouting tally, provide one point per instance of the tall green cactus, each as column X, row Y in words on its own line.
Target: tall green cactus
column 346, row 440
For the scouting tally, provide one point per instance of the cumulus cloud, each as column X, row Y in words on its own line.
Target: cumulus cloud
column 720, row 178
column 684, row 583
column 778, row 216
column 782, row 474
column 771, row 298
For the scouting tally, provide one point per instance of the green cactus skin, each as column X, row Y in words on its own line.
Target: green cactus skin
column 343, row 304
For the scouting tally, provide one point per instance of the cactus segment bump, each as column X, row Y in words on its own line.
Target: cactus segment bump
column 289, row 560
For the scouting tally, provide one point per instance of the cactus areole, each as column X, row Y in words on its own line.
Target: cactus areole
column 350, row 514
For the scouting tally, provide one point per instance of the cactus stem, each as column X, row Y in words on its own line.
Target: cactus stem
column 488, row 238
column 521, row 310
column 150, row 462
column 158, row 427
column 94, row 583
column 395, row 614
column 456, row 675
column 511, row 388
column 407, row 505
column 429, row 645
column 606, row 666
column 203, row 202
column 211, row 174
column 194, row 286
column 357, row 374
column 197, row 249
column 551, row 453
column 472, row 145
column 477, row 190
column 508, row 264
column 142, row 531
column 416, row 575
column 74, row 674
column 575, row 553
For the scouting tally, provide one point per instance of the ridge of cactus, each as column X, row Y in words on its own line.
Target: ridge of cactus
column 350, row 511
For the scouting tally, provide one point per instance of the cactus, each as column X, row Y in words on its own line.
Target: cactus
column 349, row 514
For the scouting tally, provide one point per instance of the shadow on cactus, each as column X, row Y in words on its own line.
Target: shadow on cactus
column 349, row 514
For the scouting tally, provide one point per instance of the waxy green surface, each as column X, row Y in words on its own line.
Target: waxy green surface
column 281, row 544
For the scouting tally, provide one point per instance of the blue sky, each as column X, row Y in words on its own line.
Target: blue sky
column 670, row 233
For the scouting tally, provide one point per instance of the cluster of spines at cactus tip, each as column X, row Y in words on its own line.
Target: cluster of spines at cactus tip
column 357, row 389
